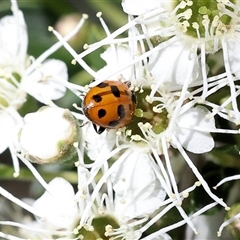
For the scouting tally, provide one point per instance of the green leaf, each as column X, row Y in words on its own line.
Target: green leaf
column 226, row 156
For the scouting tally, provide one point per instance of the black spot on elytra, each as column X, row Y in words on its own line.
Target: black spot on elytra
column 113, row 123
column 101, row 113
column 130, row 107
column 121, row 111
column 97, row 98
column 115, row 91
column 102, row 85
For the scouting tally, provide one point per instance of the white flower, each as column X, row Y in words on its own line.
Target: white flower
column 62, row 214
column 58, row 206
column 60, row 211
column 48, row 135
column 16, row 75
column 180, row 33
column 21, row 75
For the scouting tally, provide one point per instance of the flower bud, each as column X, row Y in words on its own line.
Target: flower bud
column 48, row 135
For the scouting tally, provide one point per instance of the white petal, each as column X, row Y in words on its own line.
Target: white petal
column 171, row 64
column 9, row 128
column 98, row 144
column 13, row 41
column 233, row 48
column 58, row 207
column 137, row 190
column 193, row 140
column 163, row 236
column 115, row 58
column 6, row 123
column 137, row 7
column 41, row 83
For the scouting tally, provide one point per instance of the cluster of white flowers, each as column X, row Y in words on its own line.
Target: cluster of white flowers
column 176, row 57
column 20, row 75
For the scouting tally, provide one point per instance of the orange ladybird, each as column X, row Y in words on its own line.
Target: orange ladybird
column 110, row 104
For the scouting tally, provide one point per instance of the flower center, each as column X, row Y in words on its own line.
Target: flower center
column 206, row 20
column 149, row 113
column 101, row 228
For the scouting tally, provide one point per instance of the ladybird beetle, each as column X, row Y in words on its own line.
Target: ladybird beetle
column 110, row 104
